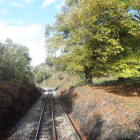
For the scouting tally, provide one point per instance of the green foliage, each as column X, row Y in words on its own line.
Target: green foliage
column 14, row 62
column 48, row 30
column 80, row 83
column 61, row 85
column 127, row 67
column 60, row 77
column 49, row 61
column 97, row 37
column 40, row 75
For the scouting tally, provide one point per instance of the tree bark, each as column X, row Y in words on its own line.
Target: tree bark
column 88, row 77
column 120, row 79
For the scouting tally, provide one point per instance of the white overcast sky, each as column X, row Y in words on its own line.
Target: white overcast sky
column 24, row 22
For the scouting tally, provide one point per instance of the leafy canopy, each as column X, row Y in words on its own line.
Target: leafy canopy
column 14, row 61
column 97, row 37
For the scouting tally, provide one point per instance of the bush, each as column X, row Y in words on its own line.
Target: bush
column 39, row 76
column 60, row 77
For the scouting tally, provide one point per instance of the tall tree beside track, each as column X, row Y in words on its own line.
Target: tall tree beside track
column 14, row 62
column 97, row 37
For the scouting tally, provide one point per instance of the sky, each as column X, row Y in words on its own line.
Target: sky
column 24, row 22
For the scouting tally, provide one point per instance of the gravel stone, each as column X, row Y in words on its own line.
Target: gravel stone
column 64, row 128
column 26, row 128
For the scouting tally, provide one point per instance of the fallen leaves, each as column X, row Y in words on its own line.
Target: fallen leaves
column 101, row 104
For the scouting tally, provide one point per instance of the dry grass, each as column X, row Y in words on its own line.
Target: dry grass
column 15, row 100
column 54, row 81
column 105, row 112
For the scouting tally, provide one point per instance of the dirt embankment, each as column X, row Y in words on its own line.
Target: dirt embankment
column 104, row 112
column 15, row 100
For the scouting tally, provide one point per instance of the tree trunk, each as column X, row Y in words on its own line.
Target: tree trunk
column 120, row 79
column 88, row 77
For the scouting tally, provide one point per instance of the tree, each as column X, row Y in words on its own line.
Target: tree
column 49, row 61
column 14, row 62
column 95, row 36
column 40, row 75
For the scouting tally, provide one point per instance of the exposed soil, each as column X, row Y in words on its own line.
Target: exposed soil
column 15, row 100
column 104, row 112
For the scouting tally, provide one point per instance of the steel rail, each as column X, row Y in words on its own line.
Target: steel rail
column 54, row 129
column 40, row 119
column 68, row 116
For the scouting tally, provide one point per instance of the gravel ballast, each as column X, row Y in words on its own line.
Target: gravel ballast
column 26, row 128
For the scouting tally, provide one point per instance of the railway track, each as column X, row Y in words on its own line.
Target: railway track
column 46, row 123
column 47, row 120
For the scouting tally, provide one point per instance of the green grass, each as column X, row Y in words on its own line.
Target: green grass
column 132, row 80
column 114, row 81
column 105, row 81
column 60, row 85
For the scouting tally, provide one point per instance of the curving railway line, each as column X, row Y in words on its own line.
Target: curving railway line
column 46, row 120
